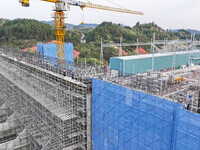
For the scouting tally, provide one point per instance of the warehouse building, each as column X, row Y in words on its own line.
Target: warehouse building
column 141, row 63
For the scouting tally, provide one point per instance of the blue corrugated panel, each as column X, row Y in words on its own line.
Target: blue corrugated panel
column 128, row 65
column 117, row 64
column 125, row 119
column 50, row 50
column 39, row 48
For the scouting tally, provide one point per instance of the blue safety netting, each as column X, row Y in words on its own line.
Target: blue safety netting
column 187, row 131
column 130, row 120
column 48, row 52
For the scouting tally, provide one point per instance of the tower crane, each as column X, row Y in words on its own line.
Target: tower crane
column 59, row 20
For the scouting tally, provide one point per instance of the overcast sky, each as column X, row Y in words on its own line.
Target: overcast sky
column 169, row 14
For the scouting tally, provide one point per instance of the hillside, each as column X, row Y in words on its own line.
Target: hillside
column 28, row 31
column 23, row 33
column 144, row 32
column 110, row 32
column 189, row 30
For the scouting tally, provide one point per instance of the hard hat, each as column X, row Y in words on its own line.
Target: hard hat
column 190, row 96
column 181, row 94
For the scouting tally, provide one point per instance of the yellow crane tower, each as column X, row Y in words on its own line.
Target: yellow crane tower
column 59, row 20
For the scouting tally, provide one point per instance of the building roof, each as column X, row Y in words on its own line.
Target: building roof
column 141, row 51
column 76, row 53
column 156, row 55
column 31, row 48
column 123, row 51
column 52, row 42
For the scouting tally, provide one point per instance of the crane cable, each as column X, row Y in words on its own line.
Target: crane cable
column 115, row 4
column 82, row 17
column 109, row 2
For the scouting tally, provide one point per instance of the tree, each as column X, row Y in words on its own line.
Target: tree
column 110, row 52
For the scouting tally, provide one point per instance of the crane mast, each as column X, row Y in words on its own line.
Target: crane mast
column 59, row 20
column 59, row 25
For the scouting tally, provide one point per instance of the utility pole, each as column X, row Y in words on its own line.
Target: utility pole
column 164, row 45
column 166, row 40
column 120, row 50
column 137, row 47
column 101, row 55
column 174, row 59
column 190, row 60
column 153, row 47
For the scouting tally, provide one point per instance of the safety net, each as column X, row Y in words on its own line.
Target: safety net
column 125, row 119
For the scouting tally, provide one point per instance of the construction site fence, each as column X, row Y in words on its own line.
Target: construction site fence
column 123, row 118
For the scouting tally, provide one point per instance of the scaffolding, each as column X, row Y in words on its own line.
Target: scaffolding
column 44, row 107
column 50, row 108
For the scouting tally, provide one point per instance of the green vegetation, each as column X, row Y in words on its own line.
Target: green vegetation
column 2, row 21
column 26, row 33
column 183, row 34
column 111, row 32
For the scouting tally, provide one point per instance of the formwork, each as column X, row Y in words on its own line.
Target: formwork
column 128, row 65
column 48, row 109
column 127, row 119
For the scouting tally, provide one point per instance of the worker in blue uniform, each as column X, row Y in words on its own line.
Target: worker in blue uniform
column 188, row 102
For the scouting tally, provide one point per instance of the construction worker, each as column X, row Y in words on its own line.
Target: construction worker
column 72, row 75
column 188, row 102
column 181, row 98
column 64, row 72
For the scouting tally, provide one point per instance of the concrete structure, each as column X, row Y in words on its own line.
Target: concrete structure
column 141, row 63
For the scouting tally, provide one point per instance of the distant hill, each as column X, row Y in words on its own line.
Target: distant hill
column 86, row 25
column 189, row 30
column 17, row 19
column 48, row 22
column 72, row 26
column 193, row 31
